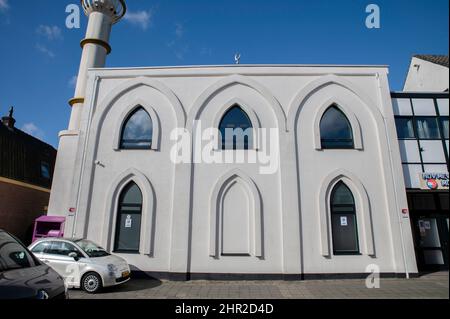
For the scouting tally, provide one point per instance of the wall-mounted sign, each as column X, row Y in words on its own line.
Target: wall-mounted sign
column 432, row 181
column 72, row 211
column 405, row 213
column 128, row 221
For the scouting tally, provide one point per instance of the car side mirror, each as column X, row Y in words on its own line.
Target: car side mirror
column 74, row 255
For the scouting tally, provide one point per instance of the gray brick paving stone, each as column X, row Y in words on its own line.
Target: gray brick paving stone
column 428, row 286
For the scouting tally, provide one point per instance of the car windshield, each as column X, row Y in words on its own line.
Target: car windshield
column 91, row 249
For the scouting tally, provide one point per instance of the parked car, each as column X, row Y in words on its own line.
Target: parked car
column 23, row 276
column 82, row 263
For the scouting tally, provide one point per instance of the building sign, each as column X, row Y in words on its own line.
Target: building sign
column 128, row 221
column 433, row 181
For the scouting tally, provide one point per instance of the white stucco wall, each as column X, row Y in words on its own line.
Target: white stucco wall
column 424, row 76
column 285, row 228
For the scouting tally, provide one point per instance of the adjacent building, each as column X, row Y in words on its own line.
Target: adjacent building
column 26, row 171
column 427, row 73
column 422, row 119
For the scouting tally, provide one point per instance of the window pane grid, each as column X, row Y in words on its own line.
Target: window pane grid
column 425, row 128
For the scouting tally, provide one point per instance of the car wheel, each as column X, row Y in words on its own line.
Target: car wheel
column 91, row 282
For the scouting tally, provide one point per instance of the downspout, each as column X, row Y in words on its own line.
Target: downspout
column 83, row 161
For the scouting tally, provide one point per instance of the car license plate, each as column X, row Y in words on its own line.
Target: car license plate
column 125, row 274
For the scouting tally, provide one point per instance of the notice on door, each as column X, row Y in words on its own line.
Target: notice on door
column 344, row 221
column 128, row 221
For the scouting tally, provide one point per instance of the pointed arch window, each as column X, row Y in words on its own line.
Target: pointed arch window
column 335, row 130
column 236, row 130
column 137, row 131
column 343, row 221
column 128, row 226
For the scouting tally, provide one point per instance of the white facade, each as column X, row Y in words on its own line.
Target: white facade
column 205, row 218
column 425, row 76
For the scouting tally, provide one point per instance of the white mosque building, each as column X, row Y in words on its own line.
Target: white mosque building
column 313, row 188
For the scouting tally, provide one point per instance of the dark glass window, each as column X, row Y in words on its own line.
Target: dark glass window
column 335, row 130
column 444, row 126
column 13, row 255
column 62, row 248
column 427, row 128
column 45, row 170
column 236, row 130
column 423, row 202
column 40, row 248
column 128, row 228
column 137, row 131
column 343, row 221
column 405, row 127
column 443, row 198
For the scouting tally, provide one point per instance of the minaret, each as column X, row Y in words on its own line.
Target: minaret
column 102, row 14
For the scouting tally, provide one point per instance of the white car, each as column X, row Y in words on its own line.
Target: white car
column 82, row 263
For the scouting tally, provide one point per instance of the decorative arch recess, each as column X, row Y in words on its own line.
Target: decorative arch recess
column 299, row 100
column 156, row 136
column 255, row 213
column 228, row 81
column 122, row 89
column 363, row 213
column 148, row 210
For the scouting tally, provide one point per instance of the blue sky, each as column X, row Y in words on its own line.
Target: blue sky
column 39, row 56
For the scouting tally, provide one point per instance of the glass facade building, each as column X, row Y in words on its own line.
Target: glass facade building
column 423, row 134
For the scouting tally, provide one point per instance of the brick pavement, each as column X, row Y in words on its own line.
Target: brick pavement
column 435, row 286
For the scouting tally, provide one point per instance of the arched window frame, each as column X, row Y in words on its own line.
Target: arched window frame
column 256, row 125
column 333, row 212
column 118, row 215
column 124, row 117
column 363, row 212
column 351, row 117
column 148, row 211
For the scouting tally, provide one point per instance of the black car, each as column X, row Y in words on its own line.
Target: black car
column 23, row 276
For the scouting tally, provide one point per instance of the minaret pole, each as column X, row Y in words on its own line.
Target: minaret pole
column 102, row 14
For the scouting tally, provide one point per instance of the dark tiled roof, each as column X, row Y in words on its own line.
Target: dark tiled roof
column 19, row 134
column 436, row 59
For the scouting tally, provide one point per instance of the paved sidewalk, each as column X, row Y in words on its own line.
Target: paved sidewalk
column 435, row 286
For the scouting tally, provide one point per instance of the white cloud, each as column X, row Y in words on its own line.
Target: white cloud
column 33, row 130
column 179, row 30
column 141, row 19
column 177, row 45
column 73, row 81
column 51, row 32
column 4, row 5
column 43, row 49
